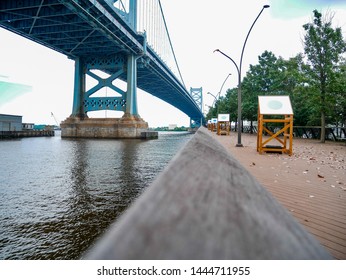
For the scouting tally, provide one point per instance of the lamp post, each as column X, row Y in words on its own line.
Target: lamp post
column 219, row 93
column 215, row 99
column 239, row 144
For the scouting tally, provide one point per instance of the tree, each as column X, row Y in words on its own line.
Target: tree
column 232, row 103
column 338, row 88
column 296, row 85
column 324, row 47
column 262, row 79
column 271, row 76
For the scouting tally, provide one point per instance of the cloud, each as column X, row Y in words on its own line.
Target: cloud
column 289, row 9
column 9, row 91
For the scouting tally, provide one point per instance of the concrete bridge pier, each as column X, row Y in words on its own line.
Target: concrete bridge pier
column 79, row 125
column 126, row 127
column 131, row 125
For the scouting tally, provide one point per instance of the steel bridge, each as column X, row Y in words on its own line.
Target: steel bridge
column 128, row 40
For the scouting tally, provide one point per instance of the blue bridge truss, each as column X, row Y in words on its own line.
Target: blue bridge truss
column 97, row 35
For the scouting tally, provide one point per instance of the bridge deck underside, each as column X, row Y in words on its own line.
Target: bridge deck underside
column 84, row 29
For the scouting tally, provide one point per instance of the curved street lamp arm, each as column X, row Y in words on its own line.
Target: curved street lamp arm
column 223, row 84
column 235, row 64
column 247, row 36
column 215, row 99
column 212, row 95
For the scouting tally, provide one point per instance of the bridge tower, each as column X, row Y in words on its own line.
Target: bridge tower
column 197, row 95
column 107, row 36
column 122, row 65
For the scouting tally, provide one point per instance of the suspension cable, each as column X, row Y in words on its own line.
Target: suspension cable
column 170, row 42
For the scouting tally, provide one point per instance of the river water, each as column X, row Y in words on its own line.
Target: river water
column 58, row 195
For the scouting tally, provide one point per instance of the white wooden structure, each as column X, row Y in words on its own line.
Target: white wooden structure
column 223, row 124
column 280, row 110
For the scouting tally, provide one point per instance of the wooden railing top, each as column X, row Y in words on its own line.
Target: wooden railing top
column 205, row 205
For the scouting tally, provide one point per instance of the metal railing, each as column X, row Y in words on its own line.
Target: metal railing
column 307, row 132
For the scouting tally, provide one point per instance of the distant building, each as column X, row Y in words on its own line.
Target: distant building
column 172, row 126
column 43, row 127
column 10, row 123
column 28, row 126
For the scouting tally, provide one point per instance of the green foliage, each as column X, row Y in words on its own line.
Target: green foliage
column 338, row 92
column 324, row 47
column 225, row 105
column 262, row 79
column 316, row 82
column 166, row 128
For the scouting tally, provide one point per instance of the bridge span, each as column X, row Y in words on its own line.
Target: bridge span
column 127, row 39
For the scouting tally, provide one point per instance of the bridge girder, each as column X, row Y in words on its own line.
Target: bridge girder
column 86, row 28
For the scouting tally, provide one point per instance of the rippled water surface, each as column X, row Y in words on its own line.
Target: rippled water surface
column 58, row 195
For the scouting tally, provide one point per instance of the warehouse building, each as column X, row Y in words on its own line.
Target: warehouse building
column 10, row 123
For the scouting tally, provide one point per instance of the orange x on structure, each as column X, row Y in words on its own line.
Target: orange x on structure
column 279, row 107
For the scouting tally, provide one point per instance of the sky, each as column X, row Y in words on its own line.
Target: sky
column 196, row 27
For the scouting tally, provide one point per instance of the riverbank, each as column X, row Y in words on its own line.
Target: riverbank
column 26, row 133
column 310, row 184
